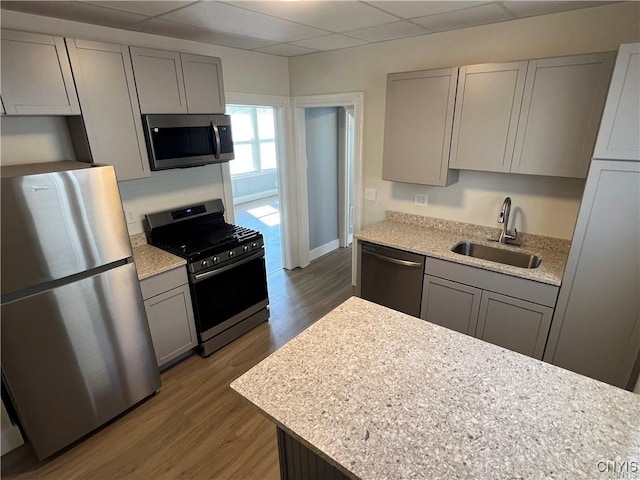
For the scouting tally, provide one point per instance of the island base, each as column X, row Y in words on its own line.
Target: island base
column 297, row 462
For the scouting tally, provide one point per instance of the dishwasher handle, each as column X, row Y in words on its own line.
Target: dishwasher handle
column 396, row 261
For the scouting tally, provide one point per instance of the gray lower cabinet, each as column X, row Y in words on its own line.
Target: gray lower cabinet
column 167, row 302
column 514, row 324
column 450, row 304
column 508, row 311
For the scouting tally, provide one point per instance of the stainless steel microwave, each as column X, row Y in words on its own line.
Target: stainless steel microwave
column 183, row 140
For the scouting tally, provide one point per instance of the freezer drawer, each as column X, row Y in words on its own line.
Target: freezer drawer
column 392, row 278
column 76, row 356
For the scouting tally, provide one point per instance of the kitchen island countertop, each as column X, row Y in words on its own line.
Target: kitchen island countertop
column 435, row 237
column 380, row 394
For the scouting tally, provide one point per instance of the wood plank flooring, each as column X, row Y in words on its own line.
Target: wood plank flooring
column 196, row 427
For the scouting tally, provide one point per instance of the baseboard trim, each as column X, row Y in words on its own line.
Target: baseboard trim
column 324, row 249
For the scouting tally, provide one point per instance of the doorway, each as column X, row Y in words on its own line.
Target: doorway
column 254, row 176
column 328, row 137
column 329, row 142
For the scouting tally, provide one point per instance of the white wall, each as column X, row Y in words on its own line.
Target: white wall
column 44, row 139
column 545, row 205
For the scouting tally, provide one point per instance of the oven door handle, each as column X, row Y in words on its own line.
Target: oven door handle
column 198, row 277
column 216, row 138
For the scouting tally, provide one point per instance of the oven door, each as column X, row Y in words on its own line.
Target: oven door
column 228, row 295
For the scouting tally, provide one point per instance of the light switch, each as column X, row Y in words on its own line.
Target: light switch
column 369, row 193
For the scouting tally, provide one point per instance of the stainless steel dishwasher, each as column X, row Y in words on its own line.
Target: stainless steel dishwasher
column 392, row 278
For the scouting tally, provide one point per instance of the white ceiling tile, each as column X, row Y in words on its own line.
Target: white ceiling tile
column 330, row 42
column 413, row 9
column 530, row 8
column 390, row 31
column 148, row 8
column 285, row 50
column 197, row 34
column 469, row 17
column 77, row 11
column 229, row 19
column 329, row 15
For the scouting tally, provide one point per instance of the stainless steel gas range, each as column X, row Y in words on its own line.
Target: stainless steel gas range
column 227, row 275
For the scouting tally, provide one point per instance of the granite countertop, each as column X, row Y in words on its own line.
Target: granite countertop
column 381, row 394
column 150, row 260
column 434, row 238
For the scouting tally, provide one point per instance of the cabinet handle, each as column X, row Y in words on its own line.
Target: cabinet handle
column 395, row 261
column 216, row 137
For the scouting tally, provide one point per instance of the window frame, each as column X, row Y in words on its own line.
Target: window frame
column 255, row 141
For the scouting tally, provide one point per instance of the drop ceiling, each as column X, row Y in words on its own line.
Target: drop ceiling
column 290, row 28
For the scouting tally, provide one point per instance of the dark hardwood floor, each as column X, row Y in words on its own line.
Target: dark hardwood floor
column 196, row 427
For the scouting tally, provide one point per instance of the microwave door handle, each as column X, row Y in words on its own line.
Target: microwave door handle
column 216, row 139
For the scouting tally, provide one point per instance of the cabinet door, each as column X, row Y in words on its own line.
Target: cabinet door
column 618, row 137
column 561, row 110
column 418, row 123
column 203, row 83
column 486, row 116
column 170, row 316
column 36, row 77
column 596, row 326
column 159, row 80
column 450, row 304
column 110, row 108
column 514, row 324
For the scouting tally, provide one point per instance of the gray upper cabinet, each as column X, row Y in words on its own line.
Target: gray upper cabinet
column 36, row 77
column 561, row 109
column 486, row 116
column 514, row 324
column 418, row 125
column 618, row 138
column 110, row 109
column 173, row 82
column 203, row 83
column 159, row 80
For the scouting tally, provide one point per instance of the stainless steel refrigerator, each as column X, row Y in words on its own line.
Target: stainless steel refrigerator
column 76, row 347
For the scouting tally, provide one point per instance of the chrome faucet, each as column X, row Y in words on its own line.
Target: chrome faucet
column 505, row 236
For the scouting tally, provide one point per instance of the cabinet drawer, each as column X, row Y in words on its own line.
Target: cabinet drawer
column 163, row 282
column 528, row 290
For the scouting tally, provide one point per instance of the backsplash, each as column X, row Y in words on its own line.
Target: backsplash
column 528, row 240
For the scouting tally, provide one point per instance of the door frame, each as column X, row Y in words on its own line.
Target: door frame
column 286, row 181
column 350, row 99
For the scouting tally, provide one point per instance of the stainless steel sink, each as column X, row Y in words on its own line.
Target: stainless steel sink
column 499, row 255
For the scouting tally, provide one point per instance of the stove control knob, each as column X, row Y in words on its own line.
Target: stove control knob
column 215, row 259
column 254, row 245
column 245, row 248
column 205, row 263
column 231, row 254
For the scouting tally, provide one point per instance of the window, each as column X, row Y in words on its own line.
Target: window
column 253, row 139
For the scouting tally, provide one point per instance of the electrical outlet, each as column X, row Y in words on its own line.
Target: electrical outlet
column 422, row 199
column 131, row 216
column 369, row 193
